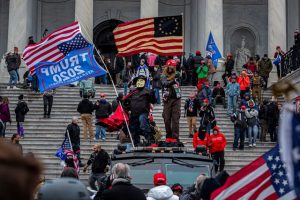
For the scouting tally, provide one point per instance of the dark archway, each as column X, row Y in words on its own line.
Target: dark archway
column 104, row 39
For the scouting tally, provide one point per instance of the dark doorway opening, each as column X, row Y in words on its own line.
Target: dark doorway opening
column 104, row 39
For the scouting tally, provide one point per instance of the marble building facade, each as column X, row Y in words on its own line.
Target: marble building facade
column 263, row 24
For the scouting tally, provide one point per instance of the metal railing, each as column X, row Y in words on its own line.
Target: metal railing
column 290, row 61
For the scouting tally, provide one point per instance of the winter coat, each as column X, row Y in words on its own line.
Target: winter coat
column 218, row 91
column 140, row 101
column 74, row 133
column 99, row 161
column 4, row 113
column 197, row 61
column 205, row 93
column 211, row 67
column 119, row 64
column 202, row 71
column 252, row 67
column 103, row 109
column 170, row 87
column 123, row 190
column 244, row 82
column 143, row 71
column 233, row 89
column 229, row 64
column 207, row 116
column 162, row 192
column 265, row 67
column 192, row 106
column 272, row 114
column 21, row 110
column 151, row 60
column 252, row 116
column 217, row 142
column 115, row 103
column 156, row 82
column 85, row 107
column 126, row 75
column 13, row 61
column 197, row 141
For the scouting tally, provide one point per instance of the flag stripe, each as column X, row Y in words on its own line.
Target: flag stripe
column 264, row 194
column 124, row 33
column 240, row 192
column 290, row 195
column 272, row 196
column 28, row 48
column 128, row 25
column 133, row 36
column 139, row 36
column 262, row 187
column 162, row 53
column 147, row 42
column 52, row 58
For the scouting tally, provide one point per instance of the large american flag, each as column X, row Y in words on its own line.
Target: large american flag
column 264, row 178
column 159, row 35
column 55, row 46
column 68, row 151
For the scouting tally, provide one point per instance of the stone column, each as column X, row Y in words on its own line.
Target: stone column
column 149, row 8
column 214, row 22
column 20, row 25
column 84, row 15
column 276, row 25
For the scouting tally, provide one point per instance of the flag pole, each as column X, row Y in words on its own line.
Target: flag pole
column 183, row 47
column 71, row 147
column 123, row 112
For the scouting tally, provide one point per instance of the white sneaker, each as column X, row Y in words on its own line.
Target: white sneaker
column 250, row 145
column 15, row 88
column 8, row 87
column 254, row 144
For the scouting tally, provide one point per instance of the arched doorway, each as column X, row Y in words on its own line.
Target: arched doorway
column 104, row 39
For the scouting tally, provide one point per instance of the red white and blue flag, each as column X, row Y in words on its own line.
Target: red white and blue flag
column 55, row 46
column 264, row 178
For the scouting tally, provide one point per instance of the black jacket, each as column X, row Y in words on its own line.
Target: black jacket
column 21, row 110
column 140, row 101
column 195, row 106
column 207, row 116
column 85, row 107
column 99, row 161
column 156, row 83
column 102, row 110
column 74, row 133
column 218, row 91
column 123, row 191
column 115, row 103
column 13, row 61
column 197, row 61
column 229, row 64
column 273, row 114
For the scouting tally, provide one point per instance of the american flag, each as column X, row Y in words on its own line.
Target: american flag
column 68, row 152
column 159, row 35
column 55, row 46
column 264, row 178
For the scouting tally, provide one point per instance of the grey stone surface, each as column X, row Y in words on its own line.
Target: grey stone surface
column 82, row 7
column 293, row 22
column 4, row 12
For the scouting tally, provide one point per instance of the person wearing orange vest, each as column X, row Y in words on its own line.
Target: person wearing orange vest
column 217, row 145
column 201, row 138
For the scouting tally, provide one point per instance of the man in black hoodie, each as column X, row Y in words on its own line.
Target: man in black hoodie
column 86, row 108
column 229, row 64
column 21, row 110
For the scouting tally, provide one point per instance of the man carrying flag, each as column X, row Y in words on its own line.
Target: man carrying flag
column 264, row 178
column 212, row 50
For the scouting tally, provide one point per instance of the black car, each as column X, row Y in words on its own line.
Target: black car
column 179, row 166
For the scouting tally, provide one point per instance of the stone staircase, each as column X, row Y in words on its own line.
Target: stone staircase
column 44, row 136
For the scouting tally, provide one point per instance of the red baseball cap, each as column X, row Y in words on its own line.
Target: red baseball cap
column 243, row 107
column 171, row 62
column 159, row 179
column 205, row 100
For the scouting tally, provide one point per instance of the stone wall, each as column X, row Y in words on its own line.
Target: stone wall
column 246, row 18
column 4, row 12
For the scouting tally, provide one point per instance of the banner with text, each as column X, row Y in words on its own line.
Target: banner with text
column 77, row 65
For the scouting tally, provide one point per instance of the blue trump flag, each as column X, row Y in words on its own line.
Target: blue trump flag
column 212, row 50
column 77, row 65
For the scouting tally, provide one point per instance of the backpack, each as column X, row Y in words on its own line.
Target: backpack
column 25, row 109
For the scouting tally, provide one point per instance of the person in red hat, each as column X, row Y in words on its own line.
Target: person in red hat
column 196, row 61
column 216, row 148
column 171, row 98
column 161, row 190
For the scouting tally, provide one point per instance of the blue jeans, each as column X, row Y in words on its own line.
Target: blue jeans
column 125, row 84
column 104, row 79
column 231, row 104
column 252, row 134
column 100, row 131
column 157, row 96
column 13, row 78
column 139, row 125
column 239, row 134
column 208, row 128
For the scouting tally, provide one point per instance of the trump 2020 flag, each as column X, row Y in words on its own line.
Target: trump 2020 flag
column 289, row 134
column 264, row 178
column 77, row 65
column 212, row 50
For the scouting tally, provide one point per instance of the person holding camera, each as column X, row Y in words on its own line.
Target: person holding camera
column 172, row 99
column 102, row 110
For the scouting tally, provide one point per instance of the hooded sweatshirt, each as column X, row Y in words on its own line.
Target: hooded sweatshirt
column 217, row 142
column 162, row 192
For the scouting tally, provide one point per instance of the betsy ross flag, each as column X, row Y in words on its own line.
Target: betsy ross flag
column 264, row 178
column 66, row 151
column 55, row 46
column 159, row 35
